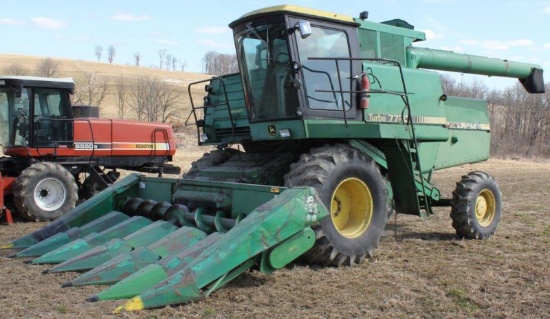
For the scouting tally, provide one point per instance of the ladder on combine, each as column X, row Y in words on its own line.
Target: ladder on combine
column 421, row 183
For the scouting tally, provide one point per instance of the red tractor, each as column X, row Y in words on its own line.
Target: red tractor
column 53, row 158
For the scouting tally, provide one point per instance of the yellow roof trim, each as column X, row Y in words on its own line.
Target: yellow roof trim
column 301, row 10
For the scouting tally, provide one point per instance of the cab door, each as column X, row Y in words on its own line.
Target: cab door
column 327, row 73
column 52, row 123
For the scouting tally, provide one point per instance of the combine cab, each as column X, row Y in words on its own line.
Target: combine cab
column 341, row 126
column 52, row 156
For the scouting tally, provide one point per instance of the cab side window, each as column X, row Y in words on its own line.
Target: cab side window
column 322, row 83
column 50, row 123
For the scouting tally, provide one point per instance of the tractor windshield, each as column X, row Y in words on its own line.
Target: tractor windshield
column 47, row 124
column 267, row 75
column 14, row 118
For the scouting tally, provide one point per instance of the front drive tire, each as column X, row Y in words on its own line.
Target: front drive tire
column 44, row 191
column 476, row 206
column 350, row 185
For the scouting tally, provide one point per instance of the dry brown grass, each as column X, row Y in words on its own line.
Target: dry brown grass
column 420, row 271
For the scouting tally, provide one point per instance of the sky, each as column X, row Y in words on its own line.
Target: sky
column 507, row 29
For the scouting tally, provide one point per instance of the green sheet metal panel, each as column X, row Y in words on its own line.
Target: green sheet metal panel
column 469, row 130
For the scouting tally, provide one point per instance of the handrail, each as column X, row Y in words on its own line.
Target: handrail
column 193, row 108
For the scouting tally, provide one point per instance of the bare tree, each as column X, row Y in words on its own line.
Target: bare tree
column 209, row 61
column 168, row 98
column 217, row 63
column 15, row 69
column 111, row 52
column 168, row 61
column 450, row 85
column 48, row 67
column 183, row 65
column 98, row 52
column 90, row 89
column 122, row 87
column 154, row 100
column 161, row 53
column 137, row 58
column 174, row 62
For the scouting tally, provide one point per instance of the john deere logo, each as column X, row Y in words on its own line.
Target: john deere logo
column 272, row 130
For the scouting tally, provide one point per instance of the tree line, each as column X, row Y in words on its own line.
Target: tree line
column 212, row 63
column 166, row 60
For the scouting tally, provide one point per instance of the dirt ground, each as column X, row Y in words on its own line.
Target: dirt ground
column 420, row 271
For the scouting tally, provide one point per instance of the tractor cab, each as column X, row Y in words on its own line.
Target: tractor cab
column 298, row 67
column 35, row 112
column 296, row 63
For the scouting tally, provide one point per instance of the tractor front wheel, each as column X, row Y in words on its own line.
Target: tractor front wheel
column 476, row 206
column 44, row 191
column 350, row 185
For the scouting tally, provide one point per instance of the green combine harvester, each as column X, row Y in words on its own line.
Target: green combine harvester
column 341, row 126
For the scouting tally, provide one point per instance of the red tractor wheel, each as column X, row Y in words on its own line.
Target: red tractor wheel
column 44, row 191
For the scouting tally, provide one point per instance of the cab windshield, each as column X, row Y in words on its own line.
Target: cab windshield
column 267, row 75
column 14, row 119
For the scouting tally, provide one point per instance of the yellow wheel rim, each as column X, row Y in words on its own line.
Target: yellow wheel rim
column 351, row 207
column 485, row 208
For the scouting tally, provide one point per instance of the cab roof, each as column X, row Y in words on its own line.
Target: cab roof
column 286, row 8
column 35, row 81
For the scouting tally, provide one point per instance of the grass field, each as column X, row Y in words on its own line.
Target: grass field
column 420, row 271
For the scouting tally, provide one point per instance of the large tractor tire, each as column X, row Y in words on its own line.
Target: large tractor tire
column 476, row 206
column 44, row 191
column 214, row 158
column 350, row 185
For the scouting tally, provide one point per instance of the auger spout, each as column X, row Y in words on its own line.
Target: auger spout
column 530, row 75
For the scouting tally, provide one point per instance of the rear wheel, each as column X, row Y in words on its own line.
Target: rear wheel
column 476, row 206
column 44, row 191
column 350, row 185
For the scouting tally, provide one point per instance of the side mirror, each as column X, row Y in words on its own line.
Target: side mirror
column 304, row 27
column 19, row 91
